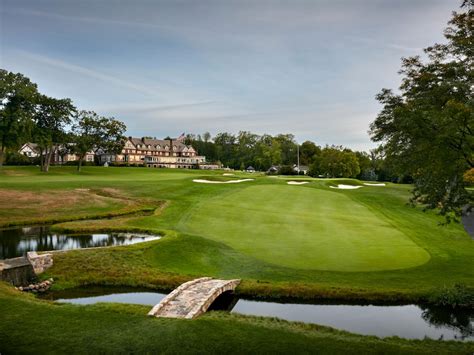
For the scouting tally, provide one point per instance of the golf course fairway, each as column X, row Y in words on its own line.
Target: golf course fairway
column 304, row 228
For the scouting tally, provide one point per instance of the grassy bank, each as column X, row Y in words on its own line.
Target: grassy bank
column 308, row 241
column 31, row 326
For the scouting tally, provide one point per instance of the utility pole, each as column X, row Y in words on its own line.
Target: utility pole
column 298, row 155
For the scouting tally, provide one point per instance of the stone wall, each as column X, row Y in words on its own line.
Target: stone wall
column 17, row 271
column 40, row 262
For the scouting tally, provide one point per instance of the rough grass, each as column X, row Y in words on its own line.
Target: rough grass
column 33, row 207
column 32, row 326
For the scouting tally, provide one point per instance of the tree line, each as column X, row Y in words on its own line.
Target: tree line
column 55, row 125
column 262, row 152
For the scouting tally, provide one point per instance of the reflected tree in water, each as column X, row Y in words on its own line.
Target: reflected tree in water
column 460, row 320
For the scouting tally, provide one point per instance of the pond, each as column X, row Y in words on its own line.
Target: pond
column 19, row 240
column 406, row 321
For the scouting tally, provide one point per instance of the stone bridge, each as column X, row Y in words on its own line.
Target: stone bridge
column 192, row 298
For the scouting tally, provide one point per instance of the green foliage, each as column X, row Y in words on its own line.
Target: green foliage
column 308, row 152
column 287, row 170
column 458, row 295
column 335, row 161
column 91, row 131
column 15, row 158
column 52, row 116
column 428, row 130
column 17, row 103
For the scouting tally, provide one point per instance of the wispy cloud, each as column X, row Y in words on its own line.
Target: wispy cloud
column 146, row 108
column 384, row 44
column 92, row 73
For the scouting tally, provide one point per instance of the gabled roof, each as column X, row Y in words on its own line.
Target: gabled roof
column 158, row 144
column 32, row 146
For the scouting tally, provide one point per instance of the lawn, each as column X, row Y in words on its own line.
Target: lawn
column 301, row 242
column 303, row 228
column 306, row 241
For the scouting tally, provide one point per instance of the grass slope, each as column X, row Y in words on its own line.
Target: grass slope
column 31, row 326
column 202, row 241
column 304, row 228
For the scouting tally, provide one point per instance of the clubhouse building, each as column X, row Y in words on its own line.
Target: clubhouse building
column 150, row 152
column 155, row 153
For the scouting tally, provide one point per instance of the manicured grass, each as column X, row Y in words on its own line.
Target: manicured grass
column 301, row 241
column 304, row 242
column 32, row 326
column 304, row 228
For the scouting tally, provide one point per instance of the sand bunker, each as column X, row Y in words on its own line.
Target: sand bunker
column 297, row 182
column 346, row 187
column 373, row 184
column 203, row 181
column 228, row 174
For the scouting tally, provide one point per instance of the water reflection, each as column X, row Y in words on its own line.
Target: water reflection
column 17, row 241
column 407, row 321
column 458, row 320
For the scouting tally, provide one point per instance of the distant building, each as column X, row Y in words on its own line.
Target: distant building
column 210, row 166
column 250, row 169
column 154, row 153
column 61, row 154
column 29, row 150
column 302, row 169
column 273, row 169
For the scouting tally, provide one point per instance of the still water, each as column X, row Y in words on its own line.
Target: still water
column 407, row 321
column 19, row 240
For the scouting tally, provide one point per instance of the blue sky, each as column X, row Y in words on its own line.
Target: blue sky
column 311, row 68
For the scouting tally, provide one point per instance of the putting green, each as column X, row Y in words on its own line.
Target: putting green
column 304, row 228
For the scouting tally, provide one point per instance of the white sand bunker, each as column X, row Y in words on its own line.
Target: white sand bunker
column 345, row 187
column 203, row 181
column 373, row 184
column 297, row 182
column 228, row 174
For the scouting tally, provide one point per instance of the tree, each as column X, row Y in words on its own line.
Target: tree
column 206, row 136
column 308, row 152
column 51, row 118
column 288, row 148
column 428, row 130
column 335, row 161
column 91, row 131
column 17, row 100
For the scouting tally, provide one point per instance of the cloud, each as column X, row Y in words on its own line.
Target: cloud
column 111, row 79
column 382, row 43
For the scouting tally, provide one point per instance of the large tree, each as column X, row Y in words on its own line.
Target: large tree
column 17, row 102
column 335, row 161
column 91, row 131
column 51, row 119
column 308, row 152
column 427, row 130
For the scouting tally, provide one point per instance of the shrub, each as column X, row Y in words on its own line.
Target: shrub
column 458, row 295
column 287, row 170
column 15, row 158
